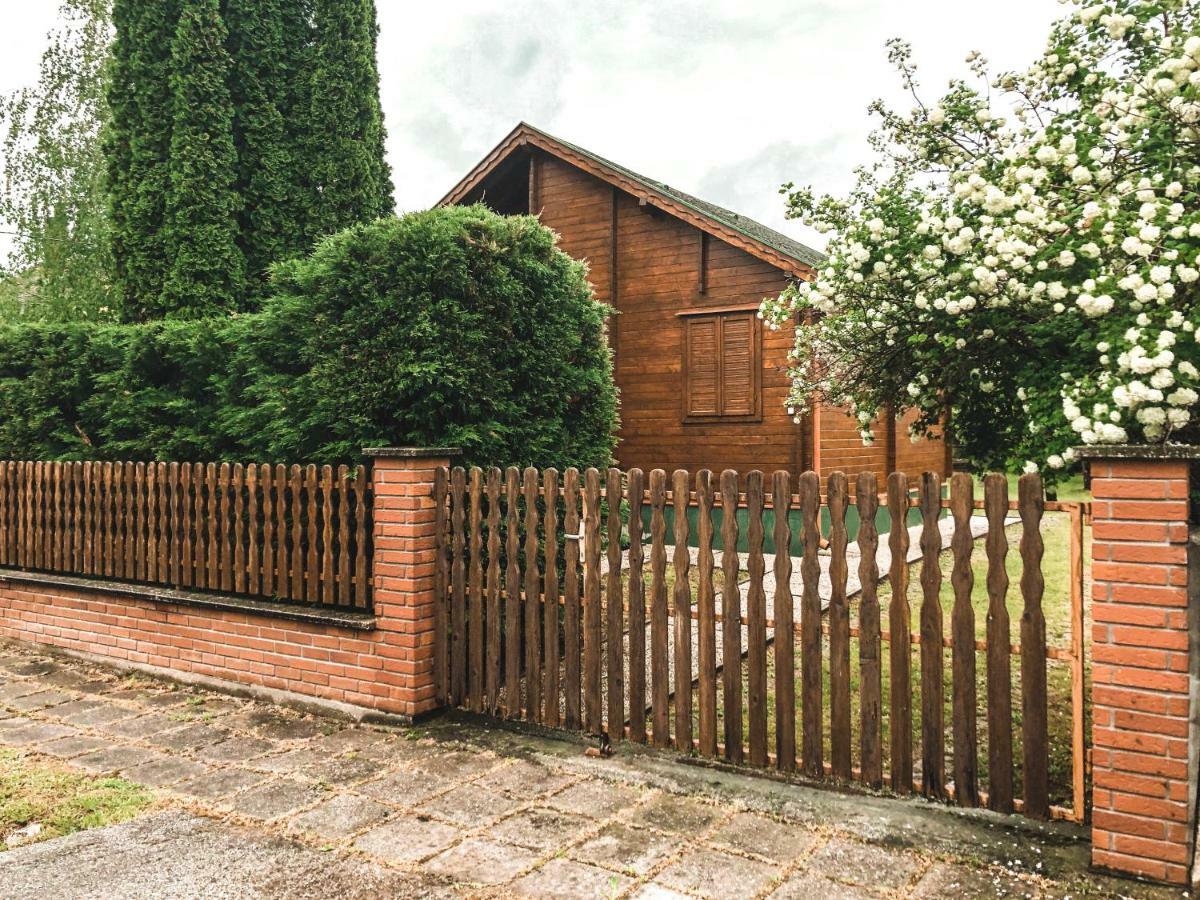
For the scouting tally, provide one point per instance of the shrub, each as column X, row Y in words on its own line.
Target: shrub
column 448, row 327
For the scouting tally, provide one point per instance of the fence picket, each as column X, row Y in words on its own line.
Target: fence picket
column 216, row 527
column 458, row 601
column 614, row 612
column 839, row 629
column 571, row 610
column 295, row 491
column 999, row 660
column 933, row 709
column 237, row 487
column 533, row 601
column 512, row 581
column 492, row 677
column 706, row 616
column 870, row 672
column 328, row 574
column 756, row 615
column 682, row 602
column 1034, row 725
column 785, row 640
column 550, row 644
column 362, row 547
column 345, row 577
column 187, row 562
column 475, row 623
column 731, row 618
column 812, row 739
column 591, row 602
column 282, row 560
column 311, row 569
column 106, row 520
column 899, row 628
column 175, row 548
column 267, row 560
column 962, row 630
column 660, row 689
column 637, row 609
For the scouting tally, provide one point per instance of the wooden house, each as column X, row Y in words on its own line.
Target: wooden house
column 703, row 384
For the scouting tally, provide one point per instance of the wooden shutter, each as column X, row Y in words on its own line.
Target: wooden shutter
column 703, row 366
column 737, row 365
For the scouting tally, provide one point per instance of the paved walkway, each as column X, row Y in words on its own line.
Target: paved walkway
column 263, row 801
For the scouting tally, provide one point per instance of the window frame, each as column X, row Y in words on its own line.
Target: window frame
column 719, row 314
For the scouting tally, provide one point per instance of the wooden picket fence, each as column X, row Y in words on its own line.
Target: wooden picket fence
column 539, row 618
column 289, row 533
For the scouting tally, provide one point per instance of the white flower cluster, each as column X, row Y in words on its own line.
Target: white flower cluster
column 1042, row 264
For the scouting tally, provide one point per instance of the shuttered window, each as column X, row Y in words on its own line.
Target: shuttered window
column 721, row 360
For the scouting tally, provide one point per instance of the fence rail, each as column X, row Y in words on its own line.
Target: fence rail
column 576, row 627
column 290, row 533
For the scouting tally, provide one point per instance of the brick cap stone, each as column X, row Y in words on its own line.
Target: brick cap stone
column 1139, row 451
column 411, row 452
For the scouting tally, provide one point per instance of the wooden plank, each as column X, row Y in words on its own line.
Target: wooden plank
column 1078, row 666
column 216, row 528
column 362, row 533
column 55, row 554
column 785, row 641
column 164, row 522
column 139, row 519
column 296, row 493
column 812, row 750
column 756, row 616
column 614, row 612
column 328, row 573
column 550, row 613
column 1035, row 740
column 492, row 656
column 839, row 629
column 152, row 521
column 107, row 523
column 188, row 552
column 312, row 538
column 533, row 589
column 870, row 671
column 900, row 725
column 706, row 617
column 224, row 511
column 512, row 581
column 345, row 572
column 731, row 618
column 475, row 611
column 682, row 602
column 5, row 513
column 237, row 484
column 38, row 529
column 175, row 507
column 441, row 593
column 266, row 482
column 962, row 631
column 660, row 688
column 592, row 662
column 458, row 595
column 637, row 608
column 933, row 713
column 571, row 609
column 282, row 560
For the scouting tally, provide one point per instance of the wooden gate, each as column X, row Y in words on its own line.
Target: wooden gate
column 551, row 610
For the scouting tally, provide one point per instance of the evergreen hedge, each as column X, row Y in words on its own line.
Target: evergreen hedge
column 448, row 327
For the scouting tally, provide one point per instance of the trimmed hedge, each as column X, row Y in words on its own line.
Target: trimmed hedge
column 448, row 327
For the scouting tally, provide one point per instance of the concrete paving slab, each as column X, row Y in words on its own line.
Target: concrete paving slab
column 481, row 861
column 340, row 816
column 407, row 840
column 626, row 848
column 715, row 874
column 568, row 878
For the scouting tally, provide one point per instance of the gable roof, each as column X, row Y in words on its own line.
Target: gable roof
column 755, row 238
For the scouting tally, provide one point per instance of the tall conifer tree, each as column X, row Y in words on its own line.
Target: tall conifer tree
column 205, row 265
column 346, row 138
column 136, row 148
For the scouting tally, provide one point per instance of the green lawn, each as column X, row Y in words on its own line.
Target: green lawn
column 37, row 793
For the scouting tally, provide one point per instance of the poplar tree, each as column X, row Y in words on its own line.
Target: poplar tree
column 205, row 267
column 351, row 176
column 136, row 149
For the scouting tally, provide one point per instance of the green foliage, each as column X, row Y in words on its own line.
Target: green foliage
column 53, row 197
column 346, row 137
column 204, row 264
column 448, row 327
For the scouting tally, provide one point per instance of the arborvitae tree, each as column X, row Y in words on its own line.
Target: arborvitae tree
column 272, row 217
column 350, row 173
column 136, row 148
column 205, row 266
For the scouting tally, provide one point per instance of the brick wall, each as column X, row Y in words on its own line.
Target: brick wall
column 1140, row 676
column 384, row 665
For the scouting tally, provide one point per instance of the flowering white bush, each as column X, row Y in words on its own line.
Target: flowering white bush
column 1024, row 253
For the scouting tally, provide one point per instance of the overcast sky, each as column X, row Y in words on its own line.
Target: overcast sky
column 725, row 99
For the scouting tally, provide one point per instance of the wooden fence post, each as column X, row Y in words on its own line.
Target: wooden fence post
column 1144, row 661
column 404, row 568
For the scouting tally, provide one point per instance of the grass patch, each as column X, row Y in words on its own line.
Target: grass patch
column 61, row 802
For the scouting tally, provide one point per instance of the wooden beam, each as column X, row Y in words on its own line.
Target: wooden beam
column 702, row 265
column 613, row 329
column 534, row 187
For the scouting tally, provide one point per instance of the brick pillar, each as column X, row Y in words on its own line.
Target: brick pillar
column 403, row 564
column 1143, row 772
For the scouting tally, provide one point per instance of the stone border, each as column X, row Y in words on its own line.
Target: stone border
column 350, row 619
column 411, row 452
column 1138, row 451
